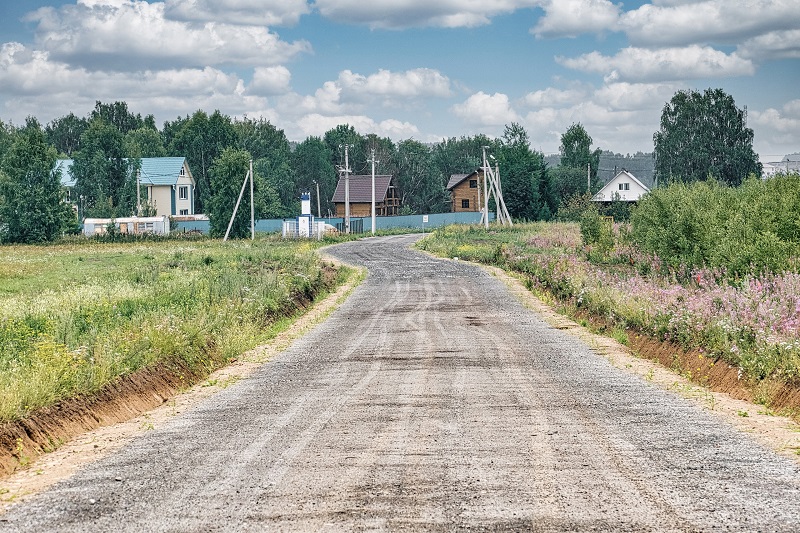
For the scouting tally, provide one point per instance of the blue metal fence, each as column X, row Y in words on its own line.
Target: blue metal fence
column 414, row 222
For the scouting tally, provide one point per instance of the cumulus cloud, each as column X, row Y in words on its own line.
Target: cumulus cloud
column 554, row 97
column 391, row 14
column 709, row 21
column 776, row 129
column 421, row 82
column 570, row 18
column 646, row 65
column 772, row 45
column 243, row 12
column 486, row 110
column 316, row 124
column 26, row 76
column 132, row 34
column 270, row 80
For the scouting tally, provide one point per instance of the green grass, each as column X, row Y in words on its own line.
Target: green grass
column 73, row 317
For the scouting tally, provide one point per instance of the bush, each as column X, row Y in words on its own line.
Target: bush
column 750, row 229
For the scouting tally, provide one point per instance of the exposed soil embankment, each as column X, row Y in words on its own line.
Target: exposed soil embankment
column 694, row 365
column 125, row 398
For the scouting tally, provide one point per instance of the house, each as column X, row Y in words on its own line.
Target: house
column 787, row 165
column 466, row 192
column 622, row 187
column 167, row 181
column 387, row 200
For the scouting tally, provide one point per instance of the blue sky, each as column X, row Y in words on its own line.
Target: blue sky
column 417, row 69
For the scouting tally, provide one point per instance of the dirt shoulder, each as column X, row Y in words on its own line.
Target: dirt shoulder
column 132, row 415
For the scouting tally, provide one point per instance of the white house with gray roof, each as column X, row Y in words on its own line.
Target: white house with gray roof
column 623, row 187
column 168, row 181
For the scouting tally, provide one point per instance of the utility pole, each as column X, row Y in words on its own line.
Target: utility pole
column 252, row 206
column 485, row 189
column 589, row 178
column 319, row 213
column 372, row 159
column 346, row 190
column 138, row 193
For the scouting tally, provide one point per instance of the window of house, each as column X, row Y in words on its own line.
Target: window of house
column 183, row 172
column 624, row 186
column 465, row 204
column 473, row 184
column 184, row 212
column 183, row 193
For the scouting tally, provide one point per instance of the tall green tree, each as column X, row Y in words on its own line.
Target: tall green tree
column 311, row 162
column 346, row 135
column 526, row 189
column 118, row 115
column 567, row 182
column 201, row 139
column 576, row 151
column 102, row 172
column 144, row 142
column 32, row 209
column 418, row 183
column 701, row 135
column 65, row 133
column 227, row 174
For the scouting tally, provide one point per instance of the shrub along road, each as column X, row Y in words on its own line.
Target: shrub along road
column 431, row 400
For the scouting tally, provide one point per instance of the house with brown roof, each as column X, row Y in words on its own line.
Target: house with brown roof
column 466, row 192
column 387, row 200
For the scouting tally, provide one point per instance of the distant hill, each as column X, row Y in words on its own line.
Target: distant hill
column 639, row 164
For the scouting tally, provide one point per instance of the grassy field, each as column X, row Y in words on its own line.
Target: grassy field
column 752, row 322
column 73, row 317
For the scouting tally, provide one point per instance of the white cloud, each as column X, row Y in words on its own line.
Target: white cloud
column 635, row 96
column 133, row 34
column 642, row 64
column 316, row 124
column 486, row 110
column 270, row 80
column 554, row 97
column 421, row 82
column 243, row 12
column 776, row 130
column 398, row 14
column 34, row 84
column 570, row 18
column 709, row 21
column 772, row 45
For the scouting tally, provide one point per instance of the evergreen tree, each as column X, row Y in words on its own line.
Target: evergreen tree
column 576, row 152
column 526, row 190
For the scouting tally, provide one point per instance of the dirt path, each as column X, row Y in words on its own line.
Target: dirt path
column 431, row 400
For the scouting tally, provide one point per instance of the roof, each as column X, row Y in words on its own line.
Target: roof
column 65, row 166
column 154, row 170
column 161, row 170
column 455, row 179
column 361, row 189
column 598, row 197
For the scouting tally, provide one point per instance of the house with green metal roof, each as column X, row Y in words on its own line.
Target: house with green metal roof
column 168, row 181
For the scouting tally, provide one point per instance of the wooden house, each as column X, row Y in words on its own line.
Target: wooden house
column 466, row 192
column 387, row 200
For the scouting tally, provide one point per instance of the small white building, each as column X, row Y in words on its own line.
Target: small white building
column 127, row 225
column 622, row 187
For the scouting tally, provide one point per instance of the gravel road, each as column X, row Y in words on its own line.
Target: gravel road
column 431, row 400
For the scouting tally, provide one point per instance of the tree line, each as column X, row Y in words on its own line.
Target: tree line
column 702, row 135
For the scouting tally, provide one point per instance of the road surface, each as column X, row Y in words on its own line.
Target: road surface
column 432, row 400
